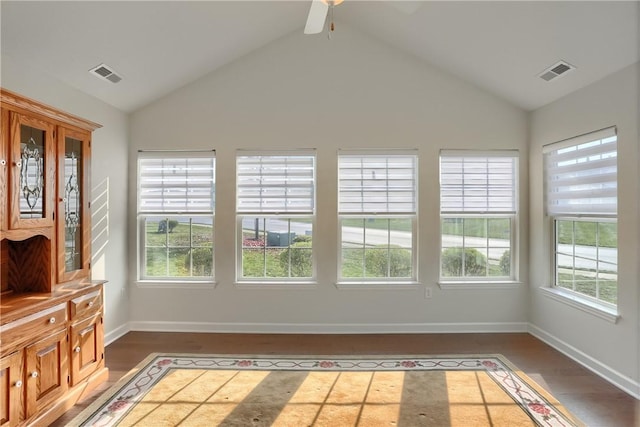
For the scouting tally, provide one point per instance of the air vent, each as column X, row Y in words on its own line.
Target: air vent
column 106, row 73
column 556, row 70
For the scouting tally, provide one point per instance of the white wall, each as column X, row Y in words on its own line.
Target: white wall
column 350, row 92
column 610, row 349
column 108, row 180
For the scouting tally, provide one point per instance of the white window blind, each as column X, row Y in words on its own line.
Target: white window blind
column 377, row 184
column 176, row 182
column 581, row 175
column 478, row 182
column 275, row 183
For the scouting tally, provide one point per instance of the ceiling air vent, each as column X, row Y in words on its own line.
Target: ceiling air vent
column 556, row 70
column 105, row 72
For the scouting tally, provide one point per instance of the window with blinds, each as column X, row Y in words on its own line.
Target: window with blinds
column 581, row 184
column 275, row 207
column 377, row 206
column 176, row 204
column 273, row 184
column 478, row 209
column 478, row 182
column 581, row 175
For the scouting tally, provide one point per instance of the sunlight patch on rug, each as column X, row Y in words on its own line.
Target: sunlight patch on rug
column 205, row 390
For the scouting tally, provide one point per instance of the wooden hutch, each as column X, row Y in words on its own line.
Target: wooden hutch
column 51, row 313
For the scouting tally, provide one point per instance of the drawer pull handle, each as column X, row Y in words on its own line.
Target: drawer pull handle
column 18, row 164
column 18, row 384
column 77, row 349
column 90, row 303
column 3, row 162
column 52, row 320
column 34, row 374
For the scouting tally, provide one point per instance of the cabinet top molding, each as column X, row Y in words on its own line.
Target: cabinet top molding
column 13, row 100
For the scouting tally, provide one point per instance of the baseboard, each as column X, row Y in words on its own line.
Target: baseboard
column 321, row 328
column 116, row 333
column 624, row 383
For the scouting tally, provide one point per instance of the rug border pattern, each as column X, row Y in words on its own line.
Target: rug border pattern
column 114, row 404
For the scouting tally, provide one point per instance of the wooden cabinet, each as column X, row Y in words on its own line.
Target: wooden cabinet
column 46, row 371
column 11, row 389
column 51, row 313
column 86, row 336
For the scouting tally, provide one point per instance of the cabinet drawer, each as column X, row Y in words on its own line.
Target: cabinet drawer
column 86, row 305
column 29, row 327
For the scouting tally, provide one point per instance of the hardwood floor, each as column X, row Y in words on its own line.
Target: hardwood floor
column 586, row 395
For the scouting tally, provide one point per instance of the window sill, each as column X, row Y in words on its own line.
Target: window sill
column 276, row 285
column 609, row 314
column 478, row 284
column 386, row 286
column 174, row 284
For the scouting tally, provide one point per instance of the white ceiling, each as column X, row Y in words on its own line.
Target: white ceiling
column 159, row 46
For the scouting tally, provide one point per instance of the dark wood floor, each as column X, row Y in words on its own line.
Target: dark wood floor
column 590, row 398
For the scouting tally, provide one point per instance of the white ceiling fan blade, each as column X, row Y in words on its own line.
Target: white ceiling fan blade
column 316, row 18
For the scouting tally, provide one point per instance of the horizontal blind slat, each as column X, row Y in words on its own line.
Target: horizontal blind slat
column 581, row 178
column 377, row 184
column 477, row 183
column 176, row 184
column 275, row 184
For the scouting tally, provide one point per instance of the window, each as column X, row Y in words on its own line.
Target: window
column 176, row 197
column 275, row 216
column 581, row 200
column 377, row 206
column 478, row 210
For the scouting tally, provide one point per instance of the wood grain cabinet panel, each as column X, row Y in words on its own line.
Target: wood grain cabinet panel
column 12, row 389
column 86, row 305
column 47, row 374
column 21, row 331
column 87, row 348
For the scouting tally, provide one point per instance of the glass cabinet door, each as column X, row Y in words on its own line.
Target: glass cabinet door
column 33, row 171
column 74, row 235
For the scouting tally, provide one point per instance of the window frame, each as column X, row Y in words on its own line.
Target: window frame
column 580, row 300
column 265, row 214
column 182, row 282
column 483, row 282
column 386, row 282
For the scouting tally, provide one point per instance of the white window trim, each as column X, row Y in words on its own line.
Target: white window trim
column 569, row 296
column 488, row 282
column 380, row 282
column 575, row 300
column 404, row 285
column 273, row 282
column 173, row 284
column 478, row 284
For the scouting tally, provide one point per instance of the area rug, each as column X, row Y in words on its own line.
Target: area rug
column 207, row 390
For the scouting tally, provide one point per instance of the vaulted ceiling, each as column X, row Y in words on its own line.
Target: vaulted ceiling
column 159, row 46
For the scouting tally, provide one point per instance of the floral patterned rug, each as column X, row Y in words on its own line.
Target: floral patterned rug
column 207, row 390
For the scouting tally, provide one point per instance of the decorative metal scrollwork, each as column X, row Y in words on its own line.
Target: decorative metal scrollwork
column 31, row 176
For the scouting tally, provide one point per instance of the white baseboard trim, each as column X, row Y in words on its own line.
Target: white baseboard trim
column 116, row 333
column 624, row 383
column 320, row 328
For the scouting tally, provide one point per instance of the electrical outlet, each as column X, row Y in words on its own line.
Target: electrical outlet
column 427, row 292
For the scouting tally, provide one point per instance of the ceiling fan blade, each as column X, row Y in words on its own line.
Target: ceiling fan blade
column 316, row 18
